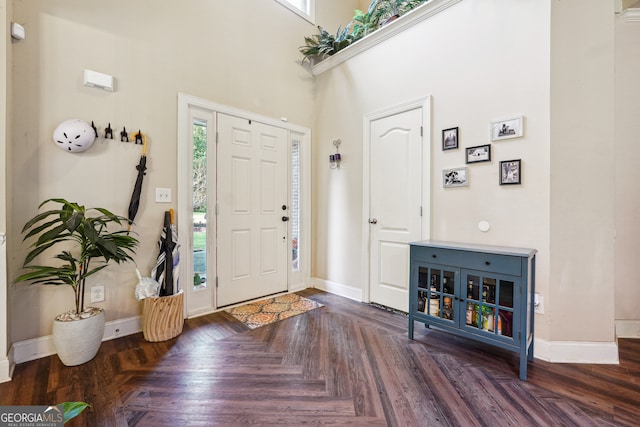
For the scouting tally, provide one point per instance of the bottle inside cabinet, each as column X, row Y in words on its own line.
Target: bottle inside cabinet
column 489, row 304
column 434, row 294
column 448, row 307
column 423, row 286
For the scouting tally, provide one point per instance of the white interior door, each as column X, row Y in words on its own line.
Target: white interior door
column 395, row 204
column 252, row 216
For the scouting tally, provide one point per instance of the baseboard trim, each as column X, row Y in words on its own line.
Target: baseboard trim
column 605, row 353
column 6, row 369
column 337, row 289
column 36, row 348
column 628, row 328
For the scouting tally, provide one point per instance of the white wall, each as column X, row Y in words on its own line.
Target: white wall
column 581, row 278
column 242, row 54
column 627, row 174
column 480, row 61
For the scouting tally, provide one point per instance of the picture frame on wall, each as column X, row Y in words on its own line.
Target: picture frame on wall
column 511, row 172
column 479, row 153
column 506, row 128
column 450, row 138
column 455, row 177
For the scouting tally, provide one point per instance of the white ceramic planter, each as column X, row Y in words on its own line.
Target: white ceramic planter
column 78, row 341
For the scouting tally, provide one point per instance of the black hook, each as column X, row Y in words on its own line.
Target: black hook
column 139, row 137
column 108, row 132
column 123, row 135
column 94, row 128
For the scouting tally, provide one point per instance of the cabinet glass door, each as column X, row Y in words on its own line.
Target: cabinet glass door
column 489, row 304
column 436, row 290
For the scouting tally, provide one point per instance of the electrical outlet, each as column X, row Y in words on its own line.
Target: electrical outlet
column 97, row 293
column 539, row 303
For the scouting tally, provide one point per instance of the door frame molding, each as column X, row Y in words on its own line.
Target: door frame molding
column 184, row 222
column 425, row 104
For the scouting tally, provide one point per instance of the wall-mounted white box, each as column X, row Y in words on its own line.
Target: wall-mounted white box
column 17, row 31
column 99, row 80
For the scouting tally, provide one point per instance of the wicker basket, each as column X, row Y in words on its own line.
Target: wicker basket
column 163, row 317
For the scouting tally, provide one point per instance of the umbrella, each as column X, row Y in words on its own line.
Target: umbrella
column 134, row 204
column 166, row 268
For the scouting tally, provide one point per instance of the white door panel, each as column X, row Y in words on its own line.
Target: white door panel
column 396, row 200
column 252, row 188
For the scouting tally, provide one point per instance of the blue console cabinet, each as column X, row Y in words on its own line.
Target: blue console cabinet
column 481, row 292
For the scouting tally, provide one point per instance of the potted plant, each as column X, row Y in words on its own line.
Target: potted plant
column 318, row 46
column 386, row 11
column 363, row 22
column 86, row 245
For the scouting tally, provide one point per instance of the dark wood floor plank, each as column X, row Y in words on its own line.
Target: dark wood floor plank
column 345, row 364
column 365, row 395
column 385, row 363
column 443, row 393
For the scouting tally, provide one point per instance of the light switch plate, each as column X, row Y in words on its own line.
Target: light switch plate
column 163, row 195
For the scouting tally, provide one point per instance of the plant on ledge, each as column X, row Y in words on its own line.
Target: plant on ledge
column 318, row 46
column 386, row 11
column 380, row 12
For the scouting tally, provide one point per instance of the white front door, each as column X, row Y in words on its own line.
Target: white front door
column 252, row 227
column 395, row 204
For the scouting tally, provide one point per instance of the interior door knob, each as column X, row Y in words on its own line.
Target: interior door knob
column 285, row 218
column 373, row 221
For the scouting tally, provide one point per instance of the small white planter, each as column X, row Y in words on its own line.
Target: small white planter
column 78, row 341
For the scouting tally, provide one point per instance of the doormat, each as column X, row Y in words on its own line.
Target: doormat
column 264, row 312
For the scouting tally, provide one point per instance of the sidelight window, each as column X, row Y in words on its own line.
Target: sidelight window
column 199, row 204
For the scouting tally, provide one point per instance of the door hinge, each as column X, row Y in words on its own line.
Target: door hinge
column 216, row 281
column 216, row 210
column 421, row 131
column 217, row 137
column 420, row 210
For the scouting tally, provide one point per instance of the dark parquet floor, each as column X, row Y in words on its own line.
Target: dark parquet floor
column 346, row 364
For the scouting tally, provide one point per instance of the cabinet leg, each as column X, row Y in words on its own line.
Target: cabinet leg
column 530, row 352
column 410, row 327
column 523, row 366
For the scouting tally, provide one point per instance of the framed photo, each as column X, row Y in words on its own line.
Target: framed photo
column 480, row 153
column 456, row 177
column 506, row 128
column 450, row 139
column 510, row 172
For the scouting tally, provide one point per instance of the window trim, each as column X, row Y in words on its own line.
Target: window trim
column 310, row 17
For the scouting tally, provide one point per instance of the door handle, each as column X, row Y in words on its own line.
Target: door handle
column 285, row 218
column 373, row 221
